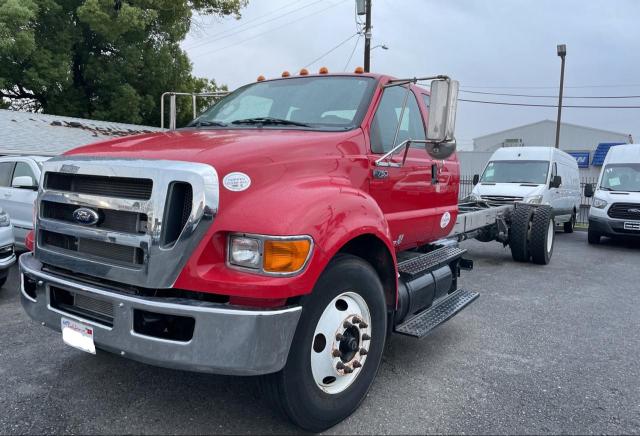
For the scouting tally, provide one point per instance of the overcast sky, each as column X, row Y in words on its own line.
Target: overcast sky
column 488, row 45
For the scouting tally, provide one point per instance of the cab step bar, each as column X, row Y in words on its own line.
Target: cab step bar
column 424, row 263
column 421, row 324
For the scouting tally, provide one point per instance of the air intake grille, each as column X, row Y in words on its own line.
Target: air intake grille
column 122, row 187
column 118, row 220
column 177, row 211
column 82, row 305
column 115, row 253
column 625, row 211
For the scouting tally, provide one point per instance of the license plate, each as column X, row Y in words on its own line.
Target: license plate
column 632, row 225
column 78, row 335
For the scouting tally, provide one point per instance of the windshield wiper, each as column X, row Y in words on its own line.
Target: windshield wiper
column 270, row 120
column 207, row 123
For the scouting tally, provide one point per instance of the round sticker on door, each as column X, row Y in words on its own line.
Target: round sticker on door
column 236, row 181
column 444, row 221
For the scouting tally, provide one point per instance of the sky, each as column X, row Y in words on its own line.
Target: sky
column 497, row 46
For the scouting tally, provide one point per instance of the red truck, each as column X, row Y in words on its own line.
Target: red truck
column 285, row 233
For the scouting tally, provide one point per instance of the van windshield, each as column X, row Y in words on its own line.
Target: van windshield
column 319, row 103
column 516, row 171
column 621, row 177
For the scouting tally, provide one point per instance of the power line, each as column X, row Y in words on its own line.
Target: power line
column 352, row 53
column 331, row 51
column 628, row 85
column 214, row 39
column 502, row 103
column 548, row 96
column 266, row 31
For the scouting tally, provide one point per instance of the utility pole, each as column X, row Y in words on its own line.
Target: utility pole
column 367, row 38
column 562, row 52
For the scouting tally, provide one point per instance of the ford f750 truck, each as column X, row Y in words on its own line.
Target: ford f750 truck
column 285, row 233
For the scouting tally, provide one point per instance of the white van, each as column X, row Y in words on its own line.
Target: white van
column 616, row 201
column 536, row 175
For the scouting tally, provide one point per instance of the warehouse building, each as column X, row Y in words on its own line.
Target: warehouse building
column 587, row 144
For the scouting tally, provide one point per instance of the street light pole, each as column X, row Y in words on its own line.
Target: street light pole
column 562, row 52
column 367, row 38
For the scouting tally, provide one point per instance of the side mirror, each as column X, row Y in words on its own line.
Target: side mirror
column 556, row 181
column 476, row 179
column 24, row 182
column 442, row 118
column 588, row 190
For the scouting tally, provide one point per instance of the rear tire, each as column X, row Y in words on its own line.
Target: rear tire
column 570, row 225
column 3, row 280
column 311, row 390
column 519, row 232
column 593, row 237
column 542, row 235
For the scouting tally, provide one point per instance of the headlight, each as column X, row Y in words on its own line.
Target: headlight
column 269, row 254
column 244, row 252
column 4, row 219
column 599, row 203
column 534, row 199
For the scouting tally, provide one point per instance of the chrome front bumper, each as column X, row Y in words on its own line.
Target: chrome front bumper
column 225, row 340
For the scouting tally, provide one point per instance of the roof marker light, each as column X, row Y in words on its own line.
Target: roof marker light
column 324, row 70
column 359, row 70
column 304, row 72
column 286, row 74
column 260, row 78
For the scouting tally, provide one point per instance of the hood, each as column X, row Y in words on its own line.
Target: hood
column 508, row 189
column 228, row 148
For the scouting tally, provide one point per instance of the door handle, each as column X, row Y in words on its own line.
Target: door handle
column 434, row 174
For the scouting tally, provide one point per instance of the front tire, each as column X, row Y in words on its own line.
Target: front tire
column 519, row 232
column 542, row 235
column 571, row 224
column 343, row 321
column 593, row 237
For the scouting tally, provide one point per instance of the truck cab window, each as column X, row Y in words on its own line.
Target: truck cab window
column 6, row 169
column 385, row 121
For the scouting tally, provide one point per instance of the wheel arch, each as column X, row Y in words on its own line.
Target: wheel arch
column 374, row 251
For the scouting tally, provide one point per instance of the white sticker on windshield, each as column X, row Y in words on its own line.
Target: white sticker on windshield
column 236, row 181
column 614, row 181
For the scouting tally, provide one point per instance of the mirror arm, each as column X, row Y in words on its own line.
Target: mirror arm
column 385, row 159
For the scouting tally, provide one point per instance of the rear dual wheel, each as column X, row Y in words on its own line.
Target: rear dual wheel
column 336, row 350
column 532, row 234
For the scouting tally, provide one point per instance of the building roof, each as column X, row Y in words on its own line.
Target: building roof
column 27, row 133
column 553, row 123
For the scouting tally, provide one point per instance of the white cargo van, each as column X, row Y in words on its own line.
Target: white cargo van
column 537, row 175
column 616, row 201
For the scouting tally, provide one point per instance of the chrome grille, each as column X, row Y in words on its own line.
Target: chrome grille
column 82, row 305
column 503, row 199
column 140, row 242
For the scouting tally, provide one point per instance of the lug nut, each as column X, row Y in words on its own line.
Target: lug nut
column 348, row 370
column 336, row 353
column 347, row 324
column 339, row 337
column 363, row 325
column 356, row 320
column 340, row 366
column 363, row 351
column 365, row 337
column 356, row 364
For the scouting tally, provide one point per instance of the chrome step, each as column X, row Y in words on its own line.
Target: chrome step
column 426, row 321
column 424, row 263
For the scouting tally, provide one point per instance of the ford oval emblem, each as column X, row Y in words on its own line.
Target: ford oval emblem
column 86, row 216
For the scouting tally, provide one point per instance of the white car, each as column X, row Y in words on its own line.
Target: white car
column 19, row 177
column 7, row 256
column 536, row 175
column 616, row 201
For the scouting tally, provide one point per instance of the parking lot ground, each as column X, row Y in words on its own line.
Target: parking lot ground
column 551, row 349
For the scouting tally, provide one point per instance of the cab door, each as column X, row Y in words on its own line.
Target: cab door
column 405, row 194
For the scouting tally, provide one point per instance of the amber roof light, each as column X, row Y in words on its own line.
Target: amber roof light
column 286, row 74
column 359, row 70
column 304, row 72
column 324, row 70
column 260, row 78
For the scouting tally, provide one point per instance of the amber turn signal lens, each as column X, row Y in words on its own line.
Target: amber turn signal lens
column 359, row 70
column 260, row 78
column 323, row 70
column 285, row 256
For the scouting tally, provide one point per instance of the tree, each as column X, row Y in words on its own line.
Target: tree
column 100, row 59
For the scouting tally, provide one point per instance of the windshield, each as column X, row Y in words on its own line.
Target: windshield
column 320, row 103
column 621, row 177
column 516, row 171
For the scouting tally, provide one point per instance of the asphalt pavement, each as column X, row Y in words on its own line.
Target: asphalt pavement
column 545, row 349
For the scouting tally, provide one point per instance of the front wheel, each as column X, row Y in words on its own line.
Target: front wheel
column 542, row 235
column 593, row 237
column 571, row 224
column 337, row 347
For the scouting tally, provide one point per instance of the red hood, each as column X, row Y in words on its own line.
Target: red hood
column 228, row 148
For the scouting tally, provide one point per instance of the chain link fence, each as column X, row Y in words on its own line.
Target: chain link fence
column 466, row 186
